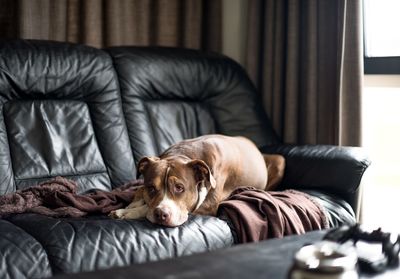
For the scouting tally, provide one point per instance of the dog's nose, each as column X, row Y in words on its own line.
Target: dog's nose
column 162, row 215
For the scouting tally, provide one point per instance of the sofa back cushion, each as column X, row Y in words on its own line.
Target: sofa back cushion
column 171, row 94
column 61, row 115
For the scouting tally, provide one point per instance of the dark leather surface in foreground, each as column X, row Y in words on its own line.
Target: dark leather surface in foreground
column 267, row 259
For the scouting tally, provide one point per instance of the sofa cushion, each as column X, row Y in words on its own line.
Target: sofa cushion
column 171, row 94
column 338, row 211
column 61, row 115
column 21, row 256
column 83, row 244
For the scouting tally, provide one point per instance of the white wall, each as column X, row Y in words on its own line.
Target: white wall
column 374, row 81
column 381, row 140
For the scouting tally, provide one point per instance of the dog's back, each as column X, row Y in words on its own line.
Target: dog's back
column 234, row 161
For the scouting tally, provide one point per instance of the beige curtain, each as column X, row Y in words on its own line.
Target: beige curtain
column 102, row 23
column 306, row 58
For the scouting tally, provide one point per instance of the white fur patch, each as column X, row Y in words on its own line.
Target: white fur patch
column 177, row 217
column 202, row 196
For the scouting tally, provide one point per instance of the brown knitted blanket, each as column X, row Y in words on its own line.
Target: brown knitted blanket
column 58, row 198
column 257, row 215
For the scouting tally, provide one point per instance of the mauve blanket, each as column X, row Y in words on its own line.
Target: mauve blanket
column 258, row 215
column 58, row 198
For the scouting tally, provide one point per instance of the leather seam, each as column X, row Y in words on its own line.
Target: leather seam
column 156, row 145
column 8, row 145
column 64, row 175
column 106, row 171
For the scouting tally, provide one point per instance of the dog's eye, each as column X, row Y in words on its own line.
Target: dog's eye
column 151, row 189
column 179, row 188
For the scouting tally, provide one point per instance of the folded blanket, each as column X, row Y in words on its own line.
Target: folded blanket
column 257, row 215
column 58, row 198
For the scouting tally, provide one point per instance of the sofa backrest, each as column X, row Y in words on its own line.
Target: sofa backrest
column 170, row 94
column 88, row 114
column 61, row 115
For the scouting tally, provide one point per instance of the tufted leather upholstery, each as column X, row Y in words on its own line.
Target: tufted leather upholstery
column 339, row 169
column 100, row 242
column 21, row 256
column 61, row 115
column 177, row 94
column 268, row 259
column 90, row 114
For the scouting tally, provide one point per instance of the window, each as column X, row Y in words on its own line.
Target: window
column 381, row 137
column 381, row 116
column 382, row 36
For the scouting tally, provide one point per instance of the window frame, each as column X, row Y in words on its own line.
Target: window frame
column 382, row 65
column 379, row 65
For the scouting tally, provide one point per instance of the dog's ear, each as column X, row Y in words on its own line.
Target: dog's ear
column 202, row 172
column 144, row 163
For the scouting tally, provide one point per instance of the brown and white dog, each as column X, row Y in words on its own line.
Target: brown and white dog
column 195, row 175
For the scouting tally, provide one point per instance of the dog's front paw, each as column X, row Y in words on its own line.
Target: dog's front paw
column 116, row 214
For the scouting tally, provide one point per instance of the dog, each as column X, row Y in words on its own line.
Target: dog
column 195, row 175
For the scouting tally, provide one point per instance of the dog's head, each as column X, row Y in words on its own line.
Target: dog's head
column 174, row 187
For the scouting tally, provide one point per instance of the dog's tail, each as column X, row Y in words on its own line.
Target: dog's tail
column 276, row 169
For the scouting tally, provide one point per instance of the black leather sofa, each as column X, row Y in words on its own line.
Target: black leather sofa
column 90, row 115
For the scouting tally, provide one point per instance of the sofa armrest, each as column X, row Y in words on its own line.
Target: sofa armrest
column 324, row 167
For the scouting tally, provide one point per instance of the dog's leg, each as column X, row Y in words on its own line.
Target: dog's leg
column 130, row 213
column 138, row 199
column 136, row 209
column 135, row 204
column 276, row 169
